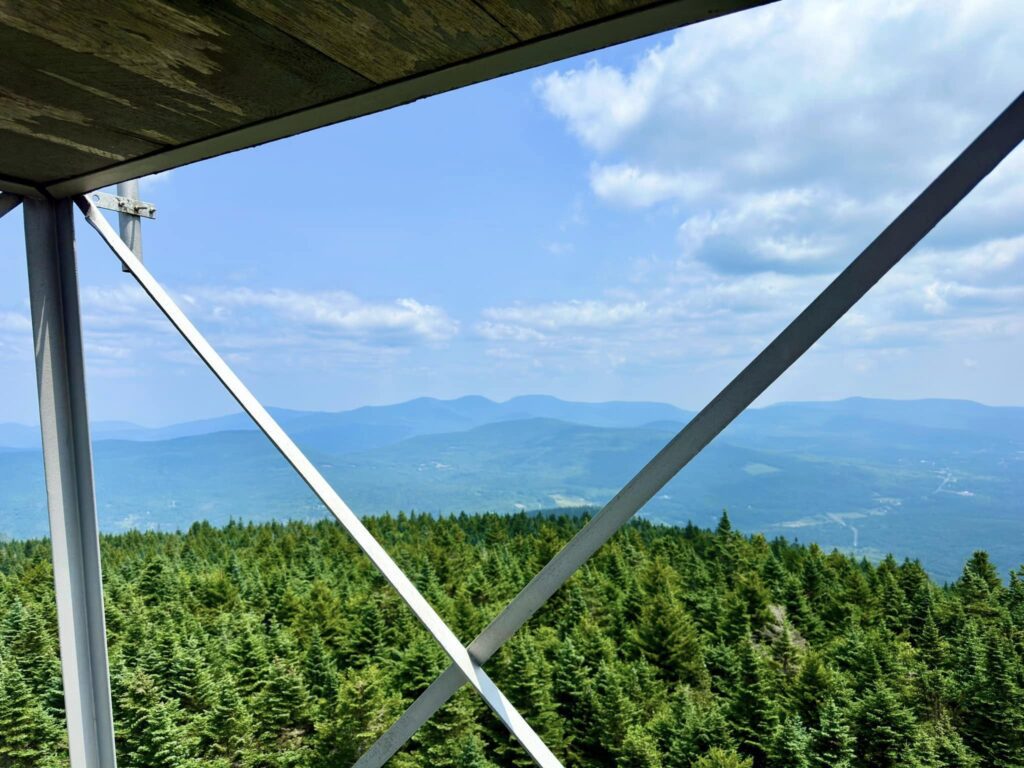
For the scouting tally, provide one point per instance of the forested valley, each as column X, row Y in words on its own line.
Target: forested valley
column 278, row 645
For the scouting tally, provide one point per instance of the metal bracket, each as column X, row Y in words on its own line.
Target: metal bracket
column 130, row 211
column 123, row 205
column 8, row 202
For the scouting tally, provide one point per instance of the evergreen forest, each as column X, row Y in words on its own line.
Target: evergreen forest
column 278, row 645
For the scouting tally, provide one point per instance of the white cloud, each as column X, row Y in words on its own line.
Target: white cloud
column 783, row 140
column 261, row 328
column 789, row 135
column 337, row 312
column 15, row 336
column 631, row 187
column 687, row 311
column 691, row 314
column 14, row 321
column 600, row 103
column 857, row 70
column 945, row 293
column 569, row 314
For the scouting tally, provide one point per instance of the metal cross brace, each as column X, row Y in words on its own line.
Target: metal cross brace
column 467, row 668
column 8, row 202
column 916, row 221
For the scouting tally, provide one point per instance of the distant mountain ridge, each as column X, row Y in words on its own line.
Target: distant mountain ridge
column 426, row 415
column 930, row 479
column 348, row 430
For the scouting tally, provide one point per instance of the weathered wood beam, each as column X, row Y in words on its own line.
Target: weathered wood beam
column 635, row 22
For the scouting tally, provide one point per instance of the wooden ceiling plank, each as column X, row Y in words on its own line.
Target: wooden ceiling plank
column 20, row 187
column 279, row 72
column 27, row 156
column 387, row 40
column 97, row 90
column 281, row 85
column 529, row 19
column 266, row 72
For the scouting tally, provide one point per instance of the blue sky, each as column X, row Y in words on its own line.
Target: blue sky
column 631, row 224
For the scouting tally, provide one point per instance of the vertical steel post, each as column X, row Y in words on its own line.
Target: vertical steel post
column 130, row 226
column 67, row 463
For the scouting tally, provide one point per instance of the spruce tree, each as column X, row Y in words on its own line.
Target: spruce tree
column 456, row 732
column 283, row 704
column 667, row 637
column 753, row 714
column 575, row 699
column 790, row 744
column 941, row 746
column 885, row 730
column 365, row 705
column 695, row 723
column 881, row 666
column 162, row 741
column 417, row 663
column 832, row 741
column 227, row 729
column 526, row 678
column 639, row 750
column 318, row 669
column 997, row 705
column 249, row 658
column 26, row 731
column 723, row 758
column 190, row 681
column 934, row 677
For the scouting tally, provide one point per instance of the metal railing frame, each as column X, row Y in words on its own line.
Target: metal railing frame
column 57, row 334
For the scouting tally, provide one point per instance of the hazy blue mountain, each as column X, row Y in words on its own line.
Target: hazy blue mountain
column 373, row 425
column 609, row 414
column 929, row 479
column 18, row 436
column 857, row 417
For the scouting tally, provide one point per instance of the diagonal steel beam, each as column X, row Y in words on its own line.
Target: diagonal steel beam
column 468, row 670
column 916, row 221
column 8, row 202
